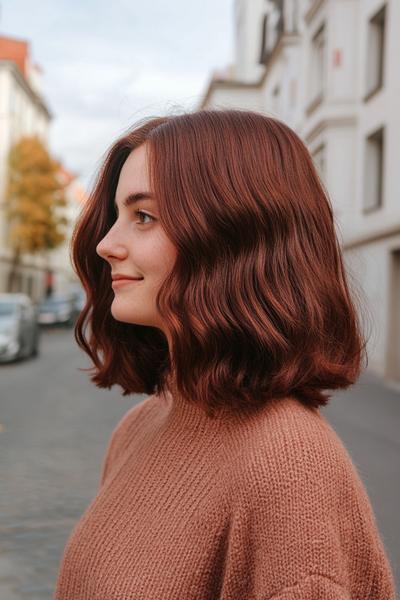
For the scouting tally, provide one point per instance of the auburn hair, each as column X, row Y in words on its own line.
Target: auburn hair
column 258, row 305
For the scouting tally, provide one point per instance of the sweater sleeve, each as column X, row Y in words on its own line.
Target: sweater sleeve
column 302, row 525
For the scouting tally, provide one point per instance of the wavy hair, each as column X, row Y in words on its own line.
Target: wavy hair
column 258, row 305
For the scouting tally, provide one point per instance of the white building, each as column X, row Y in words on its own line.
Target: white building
column 23, row 112
column 58, row 259
column 330, row 69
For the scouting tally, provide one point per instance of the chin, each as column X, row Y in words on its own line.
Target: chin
column 128, row 316
column 120, row 313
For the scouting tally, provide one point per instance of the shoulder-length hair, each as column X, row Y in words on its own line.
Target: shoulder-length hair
column 257, row 303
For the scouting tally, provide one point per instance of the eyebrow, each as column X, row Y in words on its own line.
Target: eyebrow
column 132, row 198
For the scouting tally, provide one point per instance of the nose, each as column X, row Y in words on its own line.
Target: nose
column 111, row 247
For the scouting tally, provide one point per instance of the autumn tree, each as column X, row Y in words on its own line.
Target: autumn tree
column 34, row 196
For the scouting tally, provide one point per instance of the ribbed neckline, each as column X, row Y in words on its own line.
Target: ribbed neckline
column 190, row 414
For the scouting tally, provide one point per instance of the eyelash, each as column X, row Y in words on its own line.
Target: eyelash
column 138, row 212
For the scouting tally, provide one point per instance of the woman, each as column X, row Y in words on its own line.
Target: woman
column 215, row 285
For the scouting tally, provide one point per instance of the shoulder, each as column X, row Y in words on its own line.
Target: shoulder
column 133, row 417
column 125, row 429
column 291, row 453
column 284, row 427
column 297, row 499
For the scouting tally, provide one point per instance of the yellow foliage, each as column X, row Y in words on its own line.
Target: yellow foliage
column 34, row 193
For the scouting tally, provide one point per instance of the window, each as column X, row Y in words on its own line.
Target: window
column 292, row 16
column 280, row 23
column 375, row 52
column 318, row 62
column 264, row 41
column 373, row 186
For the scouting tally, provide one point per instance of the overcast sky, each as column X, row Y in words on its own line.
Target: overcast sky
column 106, row 64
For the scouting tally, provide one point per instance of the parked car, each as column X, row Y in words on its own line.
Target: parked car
column 19, row 328
column 57, row 309
column 79, row 299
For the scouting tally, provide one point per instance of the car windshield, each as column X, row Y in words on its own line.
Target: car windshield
column 7, row 309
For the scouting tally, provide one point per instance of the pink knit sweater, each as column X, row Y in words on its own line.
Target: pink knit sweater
column 264, row 507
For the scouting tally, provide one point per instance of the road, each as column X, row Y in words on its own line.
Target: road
column 54, row 428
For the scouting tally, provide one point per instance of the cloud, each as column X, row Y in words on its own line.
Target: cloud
column 108, row 64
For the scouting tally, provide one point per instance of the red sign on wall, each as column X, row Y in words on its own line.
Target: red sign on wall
column 337, row 57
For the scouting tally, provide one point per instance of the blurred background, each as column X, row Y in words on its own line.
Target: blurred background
column 75, row 77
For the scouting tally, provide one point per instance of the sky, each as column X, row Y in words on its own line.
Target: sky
column 107, row 64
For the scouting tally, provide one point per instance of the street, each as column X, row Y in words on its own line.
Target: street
column 54, row 427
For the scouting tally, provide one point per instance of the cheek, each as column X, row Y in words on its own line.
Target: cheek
column 158, row 258
column 169, row 254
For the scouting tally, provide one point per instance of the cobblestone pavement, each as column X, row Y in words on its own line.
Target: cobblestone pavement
column 54, row 427
column 367, row 419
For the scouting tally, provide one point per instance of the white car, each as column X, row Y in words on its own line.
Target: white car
column 19, row 327
column 57, row 309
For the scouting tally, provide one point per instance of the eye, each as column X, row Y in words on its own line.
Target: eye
column 140, row 212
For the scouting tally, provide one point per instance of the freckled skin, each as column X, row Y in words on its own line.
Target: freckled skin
column 137, row 246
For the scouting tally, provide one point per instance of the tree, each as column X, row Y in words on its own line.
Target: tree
column 33, row 196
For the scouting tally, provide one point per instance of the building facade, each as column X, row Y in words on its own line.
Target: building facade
column 59, row 259
column 23, row 112
column 330, row 70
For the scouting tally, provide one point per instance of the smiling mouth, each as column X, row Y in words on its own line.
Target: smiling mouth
column 117, row 282
column 118, row 278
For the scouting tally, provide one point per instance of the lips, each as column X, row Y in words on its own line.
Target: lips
column 117, row 283
column 119, row 277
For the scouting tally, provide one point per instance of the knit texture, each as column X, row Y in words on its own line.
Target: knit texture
column 267, row 506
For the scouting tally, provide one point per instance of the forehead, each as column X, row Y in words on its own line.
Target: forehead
column 134, row 176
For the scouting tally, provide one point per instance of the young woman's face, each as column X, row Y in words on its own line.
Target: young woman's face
column 137, row 246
